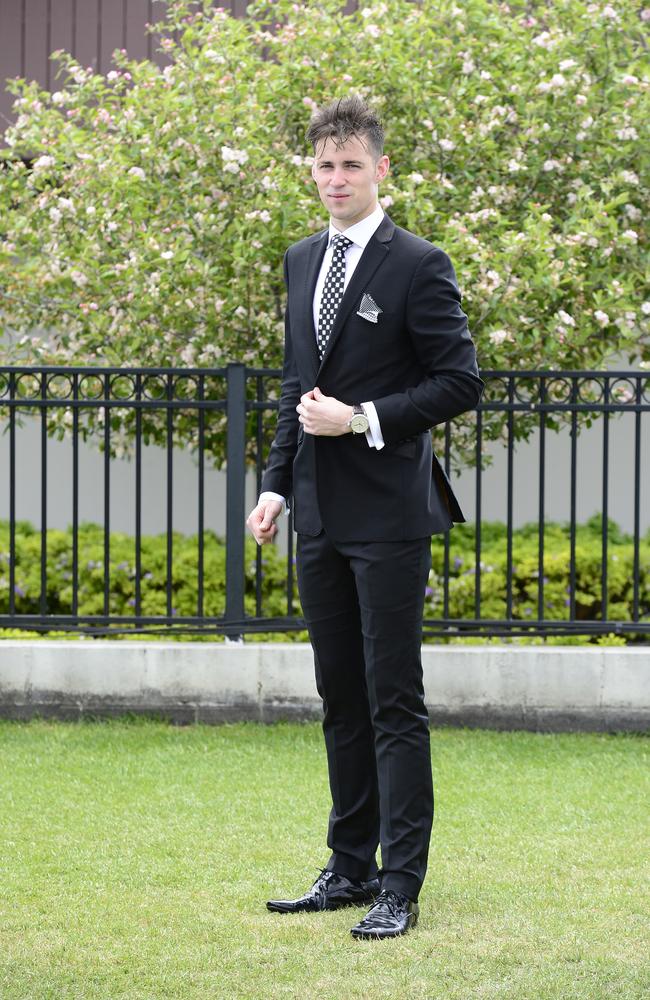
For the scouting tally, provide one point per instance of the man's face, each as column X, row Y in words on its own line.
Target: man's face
column 347, row 178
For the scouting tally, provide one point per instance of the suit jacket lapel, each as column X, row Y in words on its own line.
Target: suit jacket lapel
column 375, row 253
column 316, row 253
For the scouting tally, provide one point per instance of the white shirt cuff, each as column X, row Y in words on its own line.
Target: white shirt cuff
column 275, row 496
column 374, row 437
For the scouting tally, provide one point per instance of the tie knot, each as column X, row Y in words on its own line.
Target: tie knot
column 341, row 243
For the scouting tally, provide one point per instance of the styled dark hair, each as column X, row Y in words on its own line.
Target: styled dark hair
column 342, row 119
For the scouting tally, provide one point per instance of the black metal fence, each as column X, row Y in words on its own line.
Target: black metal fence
column 233, row 408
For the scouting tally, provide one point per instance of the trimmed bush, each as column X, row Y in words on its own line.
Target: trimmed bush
column 525, row 577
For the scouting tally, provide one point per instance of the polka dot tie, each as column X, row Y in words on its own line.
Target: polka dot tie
column 332, row 291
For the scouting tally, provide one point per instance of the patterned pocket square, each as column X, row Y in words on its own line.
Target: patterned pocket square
column 369, row 308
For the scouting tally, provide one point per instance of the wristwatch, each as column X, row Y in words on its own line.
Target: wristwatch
column 358, row 422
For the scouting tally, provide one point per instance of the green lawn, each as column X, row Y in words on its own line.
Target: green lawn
column 136, row 858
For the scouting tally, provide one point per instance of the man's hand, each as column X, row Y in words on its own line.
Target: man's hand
column 323, row 415
column 261, row 520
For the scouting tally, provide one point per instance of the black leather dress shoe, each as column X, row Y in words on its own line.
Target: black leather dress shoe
column 330, row 891
column 391, row 914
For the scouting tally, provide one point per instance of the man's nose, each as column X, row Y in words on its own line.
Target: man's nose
column 338, row 177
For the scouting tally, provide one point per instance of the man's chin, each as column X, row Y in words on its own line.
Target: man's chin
column 341, row 209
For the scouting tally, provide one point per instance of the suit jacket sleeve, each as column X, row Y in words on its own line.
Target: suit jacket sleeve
column 437, row 327
column 278, row 475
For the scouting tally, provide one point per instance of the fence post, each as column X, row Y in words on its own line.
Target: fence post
column 235, row 493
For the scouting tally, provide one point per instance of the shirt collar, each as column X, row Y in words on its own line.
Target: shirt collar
column 361, row 232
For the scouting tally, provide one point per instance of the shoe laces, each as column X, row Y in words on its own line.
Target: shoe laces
column 390, row 899
column 326, row 875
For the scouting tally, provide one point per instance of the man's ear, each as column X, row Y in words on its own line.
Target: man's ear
column 381, row 170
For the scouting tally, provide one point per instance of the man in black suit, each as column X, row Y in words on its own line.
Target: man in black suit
column 377, row 352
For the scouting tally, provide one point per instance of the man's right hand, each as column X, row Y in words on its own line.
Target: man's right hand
column 261, row 520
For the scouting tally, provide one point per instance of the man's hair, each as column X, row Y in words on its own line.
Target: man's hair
column 342, row 119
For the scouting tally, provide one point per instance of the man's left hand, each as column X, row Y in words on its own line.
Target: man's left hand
column 323, row 415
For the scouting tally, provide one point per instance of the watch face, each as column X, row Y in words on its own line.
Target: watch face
column 359, row 423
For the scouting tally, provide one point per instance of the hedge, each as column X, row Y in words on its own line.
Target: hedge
column 492, row 567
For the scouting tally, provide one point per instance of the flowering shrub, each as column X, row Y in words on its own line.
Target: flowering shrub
column 151, row 224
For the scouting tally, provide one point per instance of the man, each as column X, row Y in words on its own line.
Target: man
column 377, row 352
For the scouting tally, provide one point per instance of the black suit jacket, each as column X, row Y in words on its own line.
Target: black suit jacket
column 418, row 366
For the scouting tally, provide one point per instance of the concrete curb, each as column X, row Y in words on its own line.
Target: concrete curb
column 554, row 688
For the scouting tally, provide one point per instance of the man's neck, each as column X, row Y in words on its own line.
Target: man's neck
column 341, row 226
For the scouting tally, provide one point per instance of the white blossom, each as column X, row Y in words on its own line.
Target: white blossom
column 566, row 318
column 55, row 214
column 188, row 355
column 627, row 133
column 631, row 235
column 544, row 40
column 498, row 336
column 629, row 177
column 167, row 254
column 230, row 155
column 601, row 317
column 416, row 178
column 447, row 145
column 557, row 82
column 43, row 162
column 137, row 172
column 645, row 308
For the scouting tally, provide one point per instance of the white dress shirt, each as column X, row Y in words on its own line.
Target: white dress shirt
column 360, row 234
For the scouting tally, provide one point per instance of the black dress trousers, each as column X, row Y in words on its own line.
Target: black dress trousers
column 363, row 604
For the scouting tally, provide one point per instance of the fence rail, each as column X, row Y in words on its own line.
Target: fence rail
column 148, row 401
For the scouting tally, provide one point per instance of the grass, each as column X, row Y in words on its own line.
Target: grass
column 136, row 857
